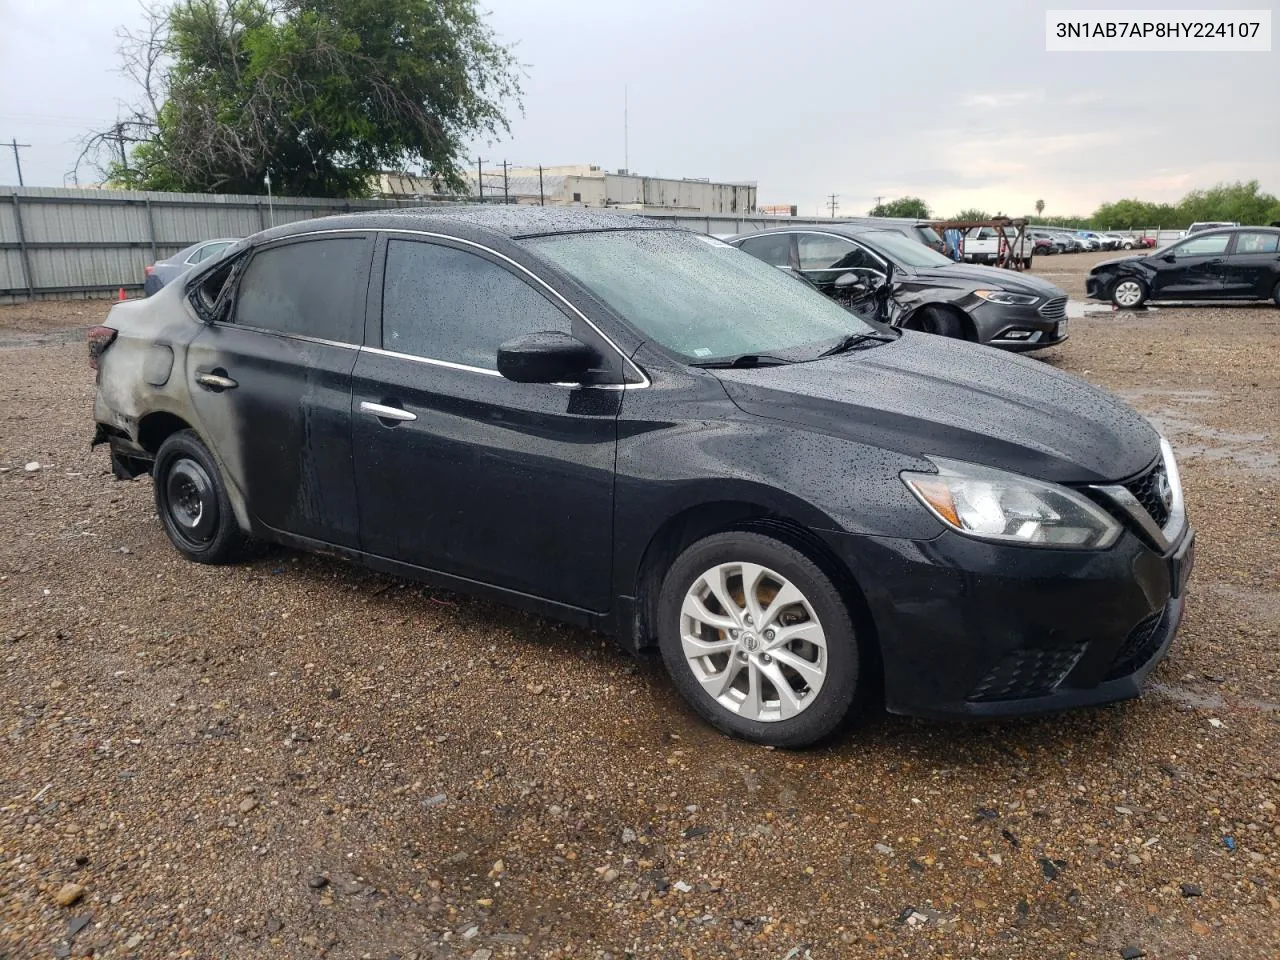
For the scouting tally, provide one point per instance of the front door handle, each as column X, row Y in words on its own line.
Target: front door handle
column 384, row 412
column 215, row 381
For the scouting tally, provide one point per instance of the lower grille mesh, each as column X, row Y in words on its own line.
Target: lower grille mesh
column 1139, row 647
column 1027, row 673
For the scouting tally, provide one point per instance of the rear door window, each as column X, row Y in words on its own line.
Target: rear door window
column 772, row 248
column 442, row 303
column 312, row 288
column 1257, row 242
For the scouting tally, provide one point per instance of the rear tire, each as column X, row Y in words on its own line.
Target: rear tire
column 1129, row 293
column 192, row 502
column 940, row 322
column 731, row 660
column 1275, row 295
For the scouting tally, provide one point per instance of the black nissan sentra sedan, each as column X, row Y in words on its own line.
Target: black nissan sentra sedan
column 648, row 432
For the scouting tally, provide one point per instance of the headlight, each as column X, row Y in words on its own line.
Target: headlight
column 1004, row 296
column 994, row 505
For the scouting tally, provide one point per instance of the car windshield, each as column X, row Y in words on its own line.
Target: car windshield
column 699, row 297
column 903, row 250
column 928, row 234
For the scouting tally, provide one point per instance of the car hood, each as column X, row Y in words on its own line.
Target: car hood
column 923, row 394
column 978, row 277
column 1115, row 262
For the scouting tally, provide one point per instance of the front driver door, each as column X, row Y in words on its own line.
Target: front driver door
column 824, row 258
column 460, row 470
column 1195, row 271
column 271, row 383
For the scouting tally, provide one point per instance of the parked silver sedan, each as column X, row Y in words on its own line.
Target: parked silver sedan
column 163, row 271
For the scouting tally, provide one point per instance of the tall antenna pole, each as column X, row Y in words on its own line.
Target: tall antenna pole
column 17, row 161
column 480, row 177
column 626, row 132
column 833, row 203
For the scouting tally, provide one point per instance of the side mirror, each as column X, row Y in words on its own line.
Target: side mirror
column 546, row 357
column 1169, row 258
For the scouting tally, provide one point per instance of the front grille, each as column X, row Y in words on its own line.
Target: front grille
column 1028, row 673
column 1055, row 309
column 1147, row 491
column 1139, row 647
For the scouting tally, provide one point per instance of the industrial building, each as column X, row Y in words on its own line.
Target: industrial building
column 588, row 185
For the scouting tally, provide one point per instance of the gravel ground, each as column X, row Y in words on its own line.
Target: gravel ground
column 298, row 758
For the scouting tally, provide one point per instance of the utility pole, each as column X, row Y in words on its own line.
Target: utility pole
column 124, row 159
column 542, row 200
column 626, row 133
column 480, row 177
column 506, row 196
column 17, row 161
column 833, row 203
column 878, row 201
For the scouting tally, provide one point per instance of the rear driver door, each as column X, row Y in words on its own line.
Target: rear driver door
column 270, row 381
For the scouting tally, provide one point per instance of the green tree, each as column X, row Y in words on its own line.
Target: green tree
column 902, row 207
column 972, row 214
column 321, row 94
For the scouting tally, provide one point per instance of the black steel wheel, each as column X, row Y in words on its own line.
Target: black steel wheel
column 192, row 502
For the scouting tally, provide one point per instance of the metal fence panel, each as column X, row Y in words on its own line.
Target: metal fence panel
column 82, row 242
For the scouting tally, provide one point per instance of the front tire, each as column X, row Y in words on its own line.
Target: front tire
column 758, row 640
column 940, row 322
column 1129, row 293
column 192, row 502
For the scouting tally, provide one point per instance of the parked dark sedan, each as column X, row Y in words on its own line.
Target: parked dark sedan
column 645, row 431
column 1242, row 263
column 163, row 271
column 1001, row 308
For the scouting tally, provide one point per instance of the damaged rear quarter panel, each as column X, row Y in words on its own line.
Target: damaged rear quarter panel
column 135, row 374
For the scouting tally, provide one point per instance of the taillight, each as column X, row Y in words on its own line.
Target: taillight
column 149, row 269
column 99, row 339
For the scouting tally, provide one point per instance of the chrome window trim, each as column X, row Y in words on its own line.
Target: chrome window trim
column 822, row 233
column 285, row 336
column 448, row 364
column 556, row 295
column 1176, row 525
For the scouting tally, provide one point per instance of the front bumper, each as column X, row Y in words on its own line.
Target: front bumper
column 972, row 629
column 1016, row 327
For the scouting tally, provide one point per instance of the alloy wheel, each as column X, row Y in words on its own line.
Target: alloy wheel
column 753, row 641
column 1128, row 293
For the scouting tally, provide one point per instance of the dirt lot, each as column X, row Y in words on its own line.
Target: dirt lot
column 297, row 758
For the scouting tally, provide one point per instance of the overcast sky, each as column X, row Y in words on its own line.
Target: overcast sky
column 955, row 102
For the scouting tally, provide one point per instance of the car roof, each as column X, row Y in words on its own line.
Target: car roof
column 509, row 221
column 839, row 227
column 1211, row 228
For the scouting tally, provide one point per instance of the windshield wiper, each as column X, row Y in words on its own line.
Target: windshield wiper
column 855, row 341
column 742, row 360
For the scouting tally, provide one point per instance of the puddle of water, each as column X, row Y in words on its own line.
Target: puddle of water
column 1253, row 452
column 1082, row 308
column 1210, row 699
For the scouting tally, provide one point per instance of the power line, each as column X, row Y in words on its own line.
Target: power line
column 17, row 160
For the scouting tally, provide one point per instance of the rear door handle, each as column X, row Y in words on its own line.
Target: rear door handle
column 384, row 412
column 215, row 381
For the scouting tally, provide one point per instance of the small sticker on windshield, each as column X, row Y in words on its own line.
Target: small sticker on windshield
column 701, row 352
